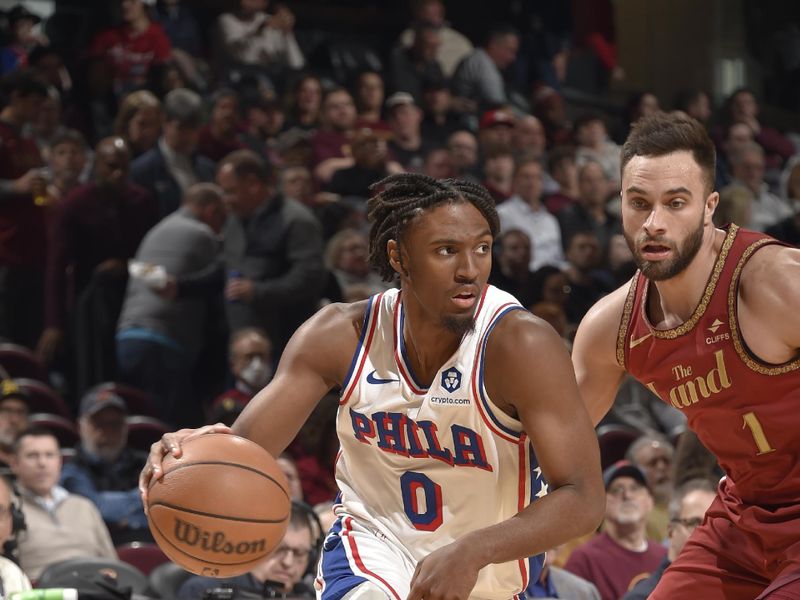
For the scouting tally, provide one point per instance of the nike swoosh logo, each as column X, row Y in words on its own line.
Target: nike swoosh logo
column 371, row 378
column 638, row 341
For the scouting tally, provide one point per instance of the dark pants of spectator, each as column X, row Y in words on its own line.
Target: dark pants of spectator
column 21, row 305
column 166, row 374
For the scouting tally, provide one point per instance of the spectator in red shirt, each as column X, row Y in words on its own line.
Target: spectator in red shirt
column 330, row 144
column 370, row 92
column 133, row 48
column 22, row 219
column 220, row 136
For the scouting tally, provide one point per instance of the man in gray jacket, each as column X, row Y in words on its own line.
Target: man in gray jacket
column 175, row 279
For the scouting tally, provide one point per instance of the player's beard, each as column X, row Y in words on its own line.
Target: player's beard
column 669, row 268
column 459, row 325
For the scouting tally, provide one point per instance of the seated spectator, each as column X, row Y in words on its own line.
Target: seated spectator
column 440, row 121
column 329, row 144
column 463, row 148
column 279, row 575
column 303, row 103
column 105, row 470
column 171, row 166
column 524, row 211
column 66, row 162
column 556, row 317
column 511, row 272
column 95, row 230
column 748, row 171
column 548, row 106
column 369, row 97
column 695, row 103
column 139, row 121
column 528, row 139
column 617, row 558
column 453, row 47
column 47, row 123
column 788, row 230
column 621, row 266
column 590, row 212
column 220, row 136
column 742, row 107
column 347, row 257
column 437, row 163
column 183, row 31
column 296, row 183
column 163, row 326
column 250, row 36
column 480, row 75
column 496, row 129
column 555, row 582
column 735, row 206
column 12, row 579
column 653, row 455
column 411, row 67
column 23, row 38
column 687, row 510
column 289, row 468
column 640, row 104
column 132, row 48
column 594, row 145
column 371, row 165
column 586, row 288
column 551, row 285
column 498, row 170
column 564, row 171
column 60, row 525
column 736, row 137
column 251, row 362
column 14, row 413
column 406, row 145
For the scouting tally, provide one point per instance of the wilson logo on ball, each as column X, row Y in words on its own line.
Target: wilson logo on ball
column 214, row 541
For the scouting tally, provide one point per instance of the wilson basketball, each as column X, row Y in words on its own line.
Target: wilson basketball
column 221, row 507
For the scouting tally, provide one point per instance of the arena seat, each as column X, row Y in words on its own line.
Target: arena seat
column 167, row 579
column 143, row 431
column 80, row 572
column 18, row 361
column 64, row 429
column 139, row 402
column 142, row 555
column 43, row 398
column 614, row 442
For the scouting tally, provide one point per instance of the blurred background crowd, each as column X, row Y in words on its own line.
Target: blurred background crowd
column 182, row 184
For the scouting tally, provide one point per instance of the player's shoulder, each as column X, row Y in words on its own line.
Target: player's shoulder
column 519, row 332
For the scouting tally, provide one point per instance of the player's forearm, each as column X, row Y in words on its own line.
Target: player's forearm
column 564, row 514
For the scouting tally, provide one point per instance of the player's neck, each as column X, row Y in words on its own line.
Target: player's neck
column 673, row 301
column 428, row 343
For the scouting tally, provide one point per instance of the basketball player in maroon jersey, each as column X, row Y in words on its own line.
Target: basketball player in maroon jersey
column 711, row 324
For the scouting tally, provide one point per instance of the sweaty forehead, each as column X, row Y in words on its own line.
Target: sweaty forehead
column 657, row 174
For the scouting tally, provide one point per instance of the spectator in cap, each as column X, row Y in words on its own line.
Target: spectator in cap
column 617, row 558
column 405, row 118
column 24, row 37
column 170, row 167
column 496, row 128
column 60, row 525
column 411, row 67
column 105, row 470
column 14, row 413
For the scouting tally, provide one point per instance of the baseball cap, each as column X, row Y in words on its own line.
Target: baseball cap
column 398, row 99
column 97, row 400
column 623, row 468
column 10, row 389
column 20, row 12
column 496, row 117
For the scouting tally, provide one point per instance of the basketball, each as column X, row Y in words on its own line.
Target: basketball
column 221, row 507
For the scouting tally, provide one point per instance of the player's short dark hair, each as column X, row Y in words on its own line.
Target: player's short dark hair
column 247, row 162
column 664, row 133
column 402, row 197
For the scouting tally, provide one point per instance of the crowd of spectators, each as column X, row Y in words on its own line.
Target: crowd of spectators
column 175, row 202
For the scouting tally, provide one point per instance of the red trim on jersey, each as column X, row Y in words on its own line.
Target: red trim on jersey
column 476, row 392
column 357, row 557
column 363, row 349
column 402, row 368
column 524, row 469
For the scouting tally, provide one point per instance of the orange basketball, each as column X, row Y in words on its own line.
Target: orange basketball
column 221, row 507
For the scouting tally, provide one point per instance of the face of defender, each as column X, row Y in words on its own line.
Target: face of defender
column 444, row 259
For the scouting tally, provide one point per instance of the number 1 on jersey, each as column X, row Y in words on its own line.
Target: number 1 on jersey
column 411, row 483
column 751, row 421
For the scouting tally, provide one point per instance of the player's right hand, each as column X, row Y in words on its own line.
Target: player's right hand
column 170, row 443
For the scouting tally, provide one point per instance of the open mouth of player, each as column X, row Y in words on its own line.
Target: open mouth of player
column 655, row 251
column 464, row 300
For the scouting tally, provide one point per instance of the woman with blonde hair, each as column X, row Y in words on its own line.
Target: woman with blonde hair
column 139, row 121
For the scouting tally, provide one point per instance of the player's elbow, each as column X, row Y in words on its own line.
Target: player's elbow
column 593, row 500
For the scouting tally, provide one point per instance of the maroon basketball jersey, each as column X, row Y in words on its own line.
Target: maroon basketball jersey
column 745, row 411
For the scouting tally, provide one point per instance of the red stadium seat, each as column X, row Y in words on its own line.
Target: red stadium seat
column 143, row 431
column 614, row 442
column 18, row 361
column 139, row 402
column 43, row 398
column 64, row 429
column 142, row 555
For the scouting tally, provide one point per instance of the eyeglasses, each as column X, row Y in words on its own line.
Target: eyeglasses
column 296, row 553
column 690, row 524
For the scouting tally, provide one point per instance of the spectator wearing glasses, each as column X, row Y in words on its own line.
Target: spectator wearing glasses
column 686, row 511
column 279, row 575
column 617, row 558
column 653, row 454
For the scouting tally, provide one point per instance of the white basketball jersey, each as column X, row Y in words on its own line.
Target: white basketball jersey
column 422, row 467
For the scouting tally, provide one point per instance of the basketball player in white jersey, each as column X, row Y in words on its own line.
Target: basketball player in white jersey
column 465, row 447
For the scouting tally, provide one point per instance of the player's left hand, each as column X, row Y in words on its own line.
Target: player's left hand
column 435, row 576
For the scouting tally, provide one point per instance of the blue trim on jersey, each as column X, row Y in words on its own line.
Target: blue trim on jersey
column 402, row 343
column 483, row 398
column 336, row 572
column 535, row 563
column 361, row 339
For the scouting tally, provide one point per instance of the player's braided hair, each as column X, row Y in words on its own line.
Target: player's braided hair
column 399, row 198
